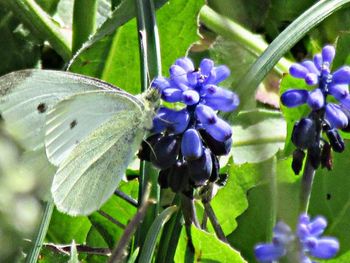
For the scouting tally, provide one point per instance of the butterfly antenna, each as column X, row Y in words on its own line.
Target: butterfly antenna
column 150, row 146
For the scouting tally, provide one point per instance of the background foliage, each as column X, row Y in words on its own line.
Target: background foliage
column 260, row 183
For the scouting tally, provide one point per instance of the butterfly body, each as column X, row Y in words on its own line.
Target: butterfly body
column 89, row 128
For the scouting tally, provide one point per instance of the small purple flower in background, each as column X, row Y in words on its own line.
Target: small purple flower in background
column 197, row 134
column 325, row 116
column 305, row 243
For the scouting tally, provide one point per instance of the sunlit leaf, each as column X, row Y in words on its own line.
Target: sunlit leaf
column 257, row 135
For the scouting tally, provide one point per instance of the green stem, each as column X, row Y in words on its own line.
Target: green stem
column 272, row 184
column 149, row 42
column 84, row 22
column 231, row 30
column 189, row 211
column 306, row 185
column 214, row 221
column 150, row 68
column 150, row 175
column 35, row 18
column 39, row 239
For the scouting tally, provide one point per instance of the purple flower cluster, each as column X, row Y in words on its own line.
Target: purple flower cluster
column 306, row 242
column 325, row 116
column 336, row 84
column 185, row 142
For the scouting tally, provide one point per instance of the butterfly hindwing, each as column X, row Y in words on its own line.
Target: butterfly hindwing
column 94, row 168
column 27, row 95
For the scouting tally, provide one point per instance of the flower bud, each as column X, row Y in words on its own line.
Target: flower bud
column 327, row 247
column 200, row 170
column 342, row 75
column 178, row 75
column 298, row 71
column 174, row 121
column 206, row 66
column 185, row 63
column 311, row 79
column 191, row 145
column 178, row 178
column 326, row 156
column 160, row 83
column 328, row 54
column 165, row 152
column 294, row 97
column 147, row 147
column 205, row 114
column 172, row 94
column 222, row 73
column 190, row 97
column 315, row 155
column 220, row 99
column 269, row 252
column 317, row 226
column 335, row 116
column 298, row 159
column 220, row 131
column 339, row 91
column 316, row 99
column 163, row 178
column 304, row 133
column 218, row 148
column 311, row 67
column 335, row 140
column 318, row 61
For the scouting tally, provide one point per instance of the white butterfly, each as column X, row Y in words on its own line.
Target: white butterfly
column 90, row 129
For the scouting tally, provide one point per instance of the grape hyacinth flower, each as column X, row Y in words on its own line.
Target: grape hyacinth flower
column 325, row 116
column 185, row 142
column 305, row 243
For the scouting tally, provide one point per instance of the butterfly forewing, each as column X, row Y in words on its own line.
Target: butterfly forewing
column 94, row 168
column 75, row 117
column 28, row 95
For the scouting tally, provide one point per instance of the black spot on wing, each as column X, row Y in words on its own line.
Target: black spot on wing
column 42, row 107
column 328, row 196
column 73, row 124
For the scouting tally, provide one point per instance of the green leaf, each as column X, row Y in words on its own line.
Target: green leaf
column 248, row 12
column 153, row 232
column 41, row 24
column 95, row 239
column 104, row 45
column 183, row 25
column 49, row 256
column 257, row 135
column 118, row 209
column 209, row 249
column 292, row 115
column 19, row 48
column 254, row 225
column 106, row 57
column 330, row 198
column 291, row 35
column 241, row 179
column 63, row 228
column 221, row 52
